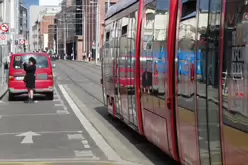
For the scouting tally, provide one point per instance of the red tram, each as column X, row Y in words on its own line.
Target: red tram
column 195, row 117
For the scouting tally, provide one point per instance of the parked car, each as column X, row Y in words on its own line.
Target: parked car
column 44, row 75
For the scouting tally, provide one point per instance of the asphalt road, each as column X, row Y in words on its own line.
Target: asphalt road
column 74, row 128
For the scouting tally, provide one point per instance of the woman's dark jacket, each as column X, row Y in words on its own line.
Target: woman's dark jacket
column 30, row 75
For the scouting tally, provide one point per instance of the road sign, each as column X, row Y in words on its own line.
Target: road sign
column 245, row 17
column 3, row 37
column 4, row 27
column 21, row 42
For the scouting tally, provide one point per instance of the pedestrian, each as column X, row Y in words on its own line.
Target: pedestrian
column 29, row 78
column 89, row 56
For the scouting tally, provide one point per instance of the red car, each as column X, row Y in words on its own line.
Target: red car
column 44, row 75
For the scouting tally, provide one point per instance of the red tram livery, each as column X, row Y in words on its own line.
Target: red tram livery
column 176, row 72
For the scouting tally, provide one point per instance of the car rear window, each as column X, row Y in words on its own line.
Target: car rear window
column 41, row 61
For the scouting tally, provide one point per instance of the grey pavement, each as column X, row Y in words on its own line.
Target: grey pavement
column 88, row 89
column 43, row 132
column 82, row 82
column 74, row 128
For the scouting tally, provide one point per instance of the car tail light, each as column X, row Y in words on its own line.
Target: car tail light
column 50, row 76
column 11, row 78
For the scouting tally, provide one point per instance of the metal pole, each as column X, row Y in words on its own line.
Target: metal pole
column 64, row 35
column 84, row 34
column 89, row 26
column 97, row 33
column 57, row 38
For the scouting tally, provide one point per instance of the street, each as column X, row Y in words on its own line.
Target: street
column 74, row 128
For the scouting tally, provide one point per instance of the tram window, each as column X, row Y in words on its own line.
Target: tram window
column 188, row 8
column 158, row 45
column 107, row 36
column 146, row 71
column 124, row 30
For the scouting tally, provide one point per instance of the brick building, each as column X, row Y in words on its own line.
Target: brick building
column 76, row 26
column 90, row 8
column 51, row 32
column 103, row 4
column 46, row 21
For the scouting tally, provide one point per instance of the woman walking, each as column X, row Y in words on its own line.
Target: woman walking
column 30, row 78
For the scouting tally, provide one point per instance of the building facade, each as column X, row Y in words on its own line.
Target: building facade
column 8, row 14
column 77, row 25
column 66, row 24
column 36, row 13
column 103, row 4
column 94, row 15
column 51, row 41
column 23, row 26
column 45, row 23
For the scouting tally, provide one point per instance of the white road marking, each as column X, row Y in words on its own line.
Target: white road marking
column 32, row 114
column 200, row 138
column 56, row 100
column 59, row 105
column 86, row 146
column 42, row 132
column 84, row 142
column 95, row 135
column 75, row 136
column 56, row 160
column 84, row 153
column 62, row 112
column 28, row 137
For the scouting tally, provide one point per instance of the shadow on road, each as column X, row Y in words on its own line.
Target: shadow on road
column 25, row 97
column 154, row 154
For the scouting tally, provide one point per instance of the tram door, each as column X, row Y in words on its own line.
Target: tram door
column 105, row 65
column 234, row 112
column 197, row 101
column 116, row 66
column 185, row 84
column 123, row 63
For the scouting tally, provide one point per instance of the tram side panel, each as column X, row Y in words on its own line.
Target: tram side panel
column 186, row 114
column 157, row 118
column 235, row 100
column 108, row 63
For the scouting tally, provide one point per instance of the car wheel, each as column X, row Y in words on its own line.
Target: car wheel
column 50, row 96
column 11, row 96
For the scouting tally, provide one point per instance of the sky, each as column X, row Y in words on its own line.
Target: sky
column 28, row 3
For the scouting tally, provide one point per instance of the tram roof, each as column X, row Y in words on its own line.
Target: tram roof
column 122, row 4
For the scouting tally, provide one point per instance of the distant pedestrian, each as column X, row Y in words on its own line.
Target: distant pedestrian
column 29, row 78
column 89, row 55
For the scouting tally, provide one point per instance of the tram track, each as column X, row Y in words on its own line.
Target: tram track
column 87, row 68
column 78, row 85
column 87, row 77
